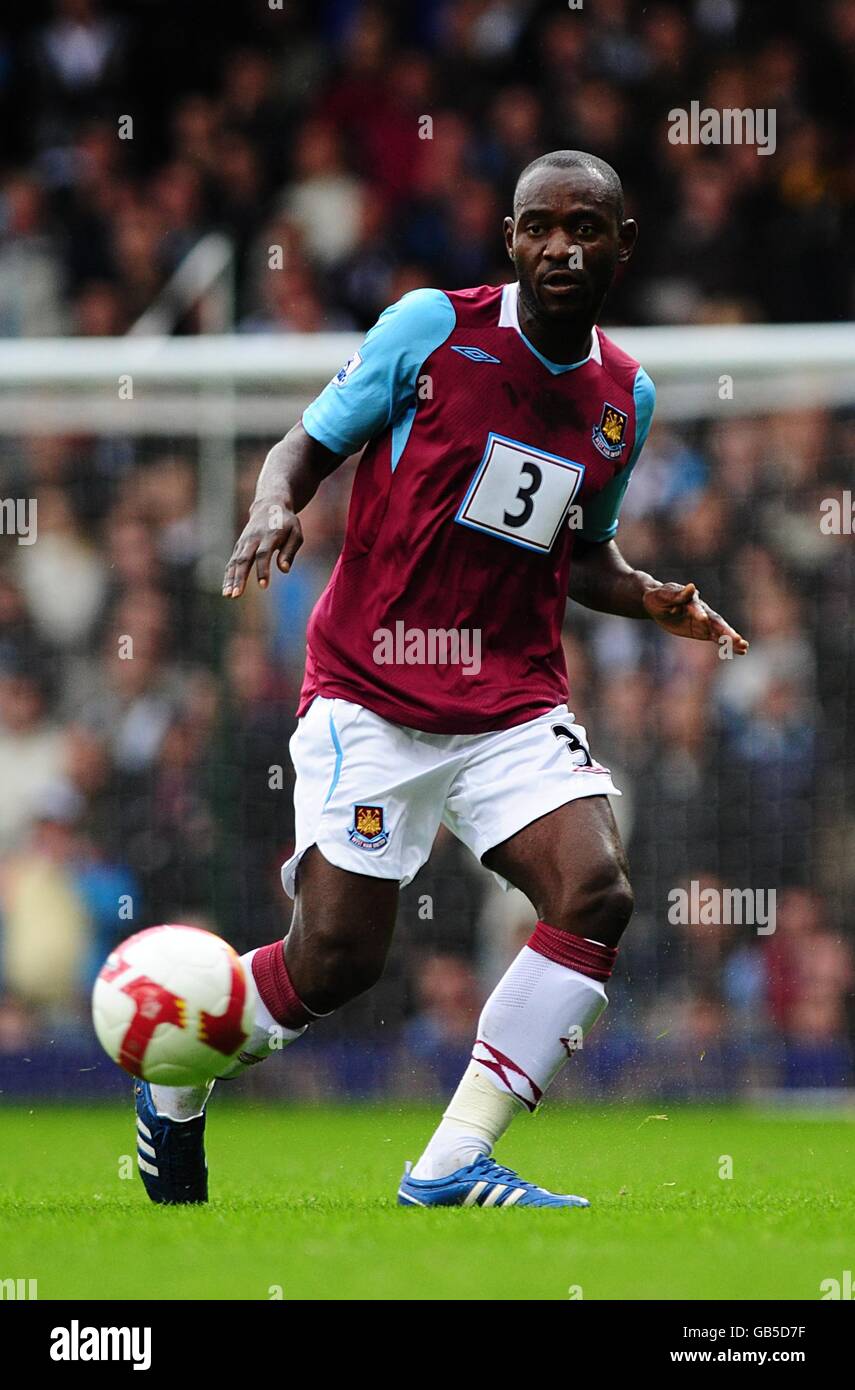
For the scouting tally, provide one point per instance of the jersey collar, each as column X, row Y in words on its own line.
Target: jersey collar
column 509, row 318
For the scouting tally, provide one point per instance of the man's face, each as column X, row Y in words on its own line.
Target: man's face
column 564, row 216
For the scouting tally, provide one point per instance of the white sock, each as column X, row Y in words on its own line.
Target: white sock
column 267, row 1036
column 181, row 1102
column 537, row 1015
column 477, row 1116
column 187, row 1102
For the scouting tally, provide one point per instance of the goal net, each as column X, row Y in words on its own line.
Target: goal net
column 144, row 772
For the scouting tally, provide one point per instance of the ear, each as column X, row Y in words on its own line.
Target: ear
column 508, row 228
column 627, row 236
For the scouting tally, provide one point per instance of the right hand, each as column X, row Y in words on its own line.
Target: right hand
column 271, row 528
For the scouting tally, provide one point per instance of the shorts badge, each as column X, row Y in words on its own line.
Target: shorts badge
column 609, row 434
column 367, row 831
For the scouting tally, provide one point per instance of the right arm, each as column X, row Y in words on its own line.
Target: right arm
column 375, row 386
column 292, row 473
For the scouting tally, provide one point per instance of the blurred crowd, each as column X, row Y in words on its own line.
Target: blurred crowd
column 376, row 147
column 144, row 772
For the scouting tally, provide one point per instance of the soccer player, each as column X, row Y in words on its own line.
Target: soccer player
column 499, row 427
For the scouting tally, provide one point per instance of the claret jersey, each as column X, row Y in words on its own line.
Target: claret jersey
column 483, row 461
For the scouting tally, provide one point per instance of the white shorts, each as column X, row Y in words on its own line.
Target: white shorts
column 371, row 795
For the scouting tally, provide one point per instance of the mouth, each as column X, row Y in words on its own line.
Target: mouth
column 561, row 283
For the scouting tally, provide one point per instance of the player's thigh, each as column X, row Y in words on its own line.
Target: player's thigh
column 341, row 929
column 572, row 865
column 369, row 794
column 531, row 803
column 368, row 800
column 576, row 843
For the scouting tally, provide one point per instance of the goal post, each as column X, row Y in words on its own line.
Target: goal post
column 218, row 389
column 107, row 384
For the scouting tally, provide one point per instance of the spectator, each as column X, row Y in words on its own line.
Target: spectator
column 30, row 750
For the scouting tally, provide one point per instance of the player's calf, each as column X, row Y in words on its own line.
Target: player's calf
column 538, row 1015
column 341, row 933
column 339, row 970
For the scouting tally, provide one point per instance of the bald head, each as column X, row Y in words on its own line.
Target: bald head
column 575, row 160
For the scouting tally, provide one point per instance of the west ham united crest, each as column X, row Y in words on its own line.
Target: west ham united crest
column 368, row 830
column 610, row 434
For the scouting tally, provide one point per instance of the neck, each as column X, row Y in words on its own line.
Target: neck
column 560, row 342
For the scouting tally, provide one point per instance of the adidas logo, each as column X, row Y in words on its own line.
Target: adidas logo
column 476, row 354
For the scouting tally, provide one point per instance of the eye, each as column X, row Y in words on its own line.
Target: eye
column 534, row 229
column 587, row 229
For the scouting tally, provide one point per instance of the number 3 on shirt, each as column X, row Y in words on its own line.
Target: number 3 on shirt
column 520, row 494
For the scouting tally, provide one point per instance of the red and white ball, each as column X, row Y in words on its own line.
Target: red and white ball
column 172, row 1005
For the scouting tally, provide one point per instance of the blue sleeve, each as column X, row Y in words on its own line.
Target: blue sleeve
column 378, row 383
column 601, row 515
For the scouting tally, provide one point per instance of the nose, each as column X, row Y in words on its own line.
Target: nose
column 558, row 248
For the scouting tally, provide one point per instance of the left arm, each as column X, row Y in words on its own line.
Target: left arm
column 600, row 578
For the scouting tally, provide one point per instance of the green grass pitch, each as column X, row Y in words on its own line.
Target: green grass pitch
column 303, row 1202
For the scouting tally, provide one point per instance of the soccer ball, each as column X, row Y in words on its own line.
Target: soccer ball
column 171, row 1005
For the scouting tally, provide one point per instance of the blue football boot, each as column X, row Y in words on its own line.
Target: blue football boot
column 170, row 1154
column 483, row 1183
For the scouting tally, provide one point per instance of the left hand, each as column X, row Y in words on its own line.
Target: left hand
column 680, row 609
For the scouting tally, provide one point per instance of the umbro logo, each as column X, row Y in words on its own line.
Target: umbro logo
column 476, row 354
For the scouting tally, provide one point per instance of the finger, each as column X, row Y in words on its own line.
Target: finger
column 738, row 644
column 721, row 628
column 262, row 565
column 289, row 549
column 684, row 597
column 229, row 576
column 242, row 563
column 671, row 597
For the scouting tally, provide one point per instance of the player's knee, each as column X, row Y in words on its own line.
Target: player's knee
column 598, row 907
column 616, row 908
